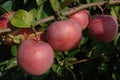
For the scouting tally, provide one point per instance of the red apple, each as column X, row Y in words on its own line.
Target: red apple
column 103, row 28
column 4, row 20
column 4, row 23
column 64, row 35
column 82, row 17
column 35, row 57
column 8, row 15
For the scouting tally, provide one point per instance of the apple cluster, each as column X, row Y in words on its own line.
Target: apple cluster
column 36, row 56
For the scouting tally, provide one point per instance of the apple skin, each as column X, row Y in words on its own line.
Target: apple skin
column 103, row 28
column 4, row 20
column 64, row 35
column 35, row 57
column 8, row 15
column 82, row 17
column 4, row 23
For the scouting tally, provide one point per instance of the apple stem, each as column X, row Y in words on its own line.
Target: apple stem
column 34, row 31
column 101, row 9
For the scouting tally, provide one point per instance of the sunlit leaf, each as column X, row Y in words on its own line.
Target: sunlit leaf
column 33, row 12
column 115, row 11
column 22, row 19
column 17, row 39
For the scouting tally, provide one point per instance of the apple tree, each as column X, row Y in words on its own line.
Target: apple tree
column 59, row 40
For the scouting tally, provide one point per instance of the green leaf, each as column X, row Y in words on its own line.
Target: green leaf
column 73, row 52
column 22, row 19
column 116, row 39
column 56, row 68
column 14, row 50
column 40, row 2
column 115, row 11
column 18, row 38
column 41, row 13
column 11, row 63
column 33, row 13
column 7, row 6
column 56, row 4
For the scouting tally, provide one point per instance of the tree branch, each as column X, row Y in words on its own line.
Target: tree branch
column 69, row 12
column 5, row 30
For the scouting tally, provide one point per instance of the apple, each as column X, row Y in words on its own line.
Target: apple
column 4, row 23
column 64, row 35
column 82, row 17
column 4, row 20
column 103, row 28
column 35, row 57
column 8, row 15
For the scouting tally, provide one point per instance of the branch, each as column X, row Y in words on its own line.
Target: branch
column 69, row 12
column 5, row 30
column 81, row 7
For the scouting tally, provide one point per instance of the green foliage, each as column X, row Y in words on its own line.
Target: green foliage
column 22, row 19
column 7, row 6
column 92, row 60
column 56, row 4
column 14, row 50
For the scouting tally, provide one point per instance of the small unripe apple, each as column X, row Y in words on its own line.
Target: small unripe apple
column 64, row 35
column 103, row 28
column 82, row 17
column 35, row 57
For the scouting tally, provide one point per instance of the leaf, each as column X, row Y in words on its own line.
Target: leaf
column 56, row 68
column 7, row 6
column 116, row 39
column 114, row 11
column 56, row 4
column 21, row 19
column 40, row 2
column 44, row 11
column 17, row 39
column 33, row 12
column 41, row 13
column 73, row 52
column 14, row 50
column 67, row 2
column 11, row 63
